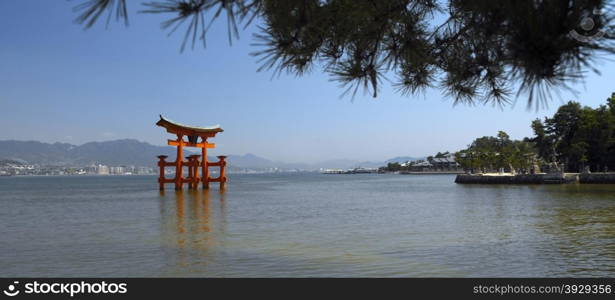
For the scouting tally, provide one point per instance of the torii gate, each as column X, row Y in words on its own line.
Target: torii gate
column 192, row 134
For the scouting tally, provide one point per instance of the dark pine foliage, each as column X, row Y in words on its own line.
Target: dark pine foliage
column 479, row 52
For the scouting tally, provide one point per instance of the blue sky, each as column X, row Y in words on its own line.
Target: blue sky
column 60, row 83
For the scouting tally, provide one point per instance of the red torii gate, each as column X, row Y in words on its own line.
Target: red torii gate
column 192, row 133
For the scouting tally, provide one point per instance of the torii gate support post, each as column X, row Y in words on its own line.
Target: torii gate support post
column 161, row 163
column 204, row 165
column 222, row 172
column 194, row 171
column 195, row 174
column 179, row 172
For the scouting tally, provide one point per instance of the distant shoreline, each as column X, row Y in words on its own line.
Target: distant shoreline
column 76, row 175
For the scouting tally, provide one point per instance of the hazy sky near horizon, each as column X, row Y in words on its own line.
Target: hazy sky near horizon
column 60, row 83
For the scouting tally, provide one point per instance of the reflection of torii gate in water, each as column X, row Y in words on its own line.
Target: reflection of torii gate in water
column 192, row 133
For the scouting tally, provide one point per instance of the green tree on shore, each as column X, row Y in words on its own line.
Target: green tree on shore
column 489, row 154
column 393, row 167
column 578, row 136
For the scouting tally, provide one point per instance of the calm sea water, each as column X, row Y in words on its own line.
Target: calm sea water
column 304, row 225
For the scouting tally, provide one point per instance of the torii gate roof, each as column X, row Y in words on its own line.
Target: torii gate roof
column 173, row 127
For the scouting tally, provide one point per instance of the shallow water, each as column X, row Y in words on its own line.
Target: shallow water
column 299, row 225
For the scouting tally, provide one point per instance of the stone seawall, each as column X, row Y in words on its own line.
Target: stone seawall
column 517, row 179
column 597, row 178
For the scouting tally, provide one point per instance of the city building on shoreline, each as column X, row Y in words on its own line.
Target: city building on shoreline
column 17, row 168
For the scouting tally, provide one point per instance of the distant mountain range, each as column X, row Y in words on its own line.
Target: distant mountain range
column 118, row 152
column 134, row 152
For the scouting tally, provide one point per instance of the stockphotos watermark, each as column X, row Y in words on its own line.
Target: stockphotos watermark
column 588, row 25
column 65, row 288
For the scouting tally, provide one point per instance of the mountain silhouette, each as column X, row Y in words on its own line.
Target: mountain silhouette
column 133, row 152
